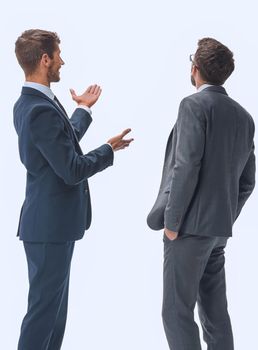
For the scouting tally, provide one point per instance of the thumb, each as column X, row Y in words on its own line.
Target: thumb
column 73, row 94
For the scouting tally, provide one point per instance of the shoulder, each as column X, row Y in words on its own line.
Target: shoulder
column 36, row 108
column 191, row 105
column 32, row 109
column 193, row 101
column 242, row 109
column 29, row 102
column 241, row 112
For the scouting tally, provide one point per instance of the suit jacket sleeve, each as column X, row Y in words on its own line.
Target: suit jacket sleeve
column 80, row 121
column 247, row 181
column 49, row 134
column 188, row 156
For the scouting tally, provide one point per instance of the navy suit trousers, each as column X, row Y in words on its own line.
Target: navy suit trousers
column 49, row 270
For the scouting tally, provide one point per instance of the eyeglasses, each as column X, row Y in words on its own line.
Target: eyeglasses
column 191, row 57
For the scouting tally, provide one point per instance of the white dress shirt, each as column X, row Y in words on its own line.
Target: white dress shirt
column 203, row 86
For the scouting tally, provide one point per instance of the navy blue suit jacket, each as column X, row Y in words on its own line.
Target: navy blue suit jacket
column 57, row 205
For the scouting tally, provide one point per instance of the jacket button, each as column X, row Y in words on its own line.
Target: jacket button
column 86, row 191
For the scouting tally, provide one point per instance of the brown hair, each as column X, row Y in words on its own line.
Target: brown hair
column 214, row 61
column 32, row 44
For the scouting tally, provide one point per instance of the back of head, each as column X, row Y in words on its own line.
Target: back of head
column 31, row 45
column 214, row 61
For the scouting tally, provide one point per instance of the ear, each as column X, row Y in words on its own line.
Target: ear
column 194, row 69
column 45, row 60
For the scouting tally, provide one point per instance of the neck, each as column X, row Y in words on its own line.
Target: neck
column 200, row 83
column 38, row 79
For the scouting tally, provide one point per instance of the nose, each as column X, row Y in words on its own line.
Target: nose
column 62, row 62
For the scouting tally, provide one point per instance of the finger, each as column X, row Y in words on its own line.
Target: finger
column 125, row 132
column 120, row 148
column 72, row 92
column 94, row 87
column 122, row 144
column 89, row 88
column 125, row 143
column 128, row 140
column 96, row 92
column 99, row 93
column 74, row 96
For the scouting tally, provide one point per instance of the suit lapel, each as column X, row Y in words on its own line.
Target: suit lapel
column 61, row 106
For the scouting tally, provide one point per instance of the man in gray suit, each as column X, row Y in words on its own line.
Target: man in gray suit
column 208, row 174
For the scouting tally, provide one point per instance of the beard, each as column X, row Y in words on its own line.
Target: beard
column 193, row 81
column 53, row 74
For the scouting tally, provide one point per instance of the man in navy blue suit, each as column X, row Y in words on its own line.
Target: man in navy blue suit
column 57, row 209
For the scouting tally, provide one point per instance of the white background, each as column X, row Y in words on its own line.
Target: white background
column 138, row 52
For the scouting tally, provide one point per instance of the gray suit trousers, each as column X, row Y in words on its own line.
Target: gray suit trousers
column 194, row 273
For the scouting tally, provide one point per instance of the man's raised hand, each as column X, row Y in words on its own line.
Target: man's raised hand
column 89, row 97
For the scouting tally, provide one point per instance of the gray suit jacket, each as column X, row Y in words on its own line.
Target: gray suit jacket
column 209, row 167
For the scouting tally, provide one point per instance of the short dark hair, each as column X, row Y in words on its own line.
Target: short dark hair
column 214, row 61
column 32, row 44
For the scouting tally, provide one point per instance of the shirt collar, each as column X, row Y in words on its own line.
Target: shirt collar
column 40, row 87
column 203, row 86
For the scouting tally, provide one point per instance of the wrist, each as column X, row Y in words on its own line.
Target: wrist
column 85, row 107
column 84, row 104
